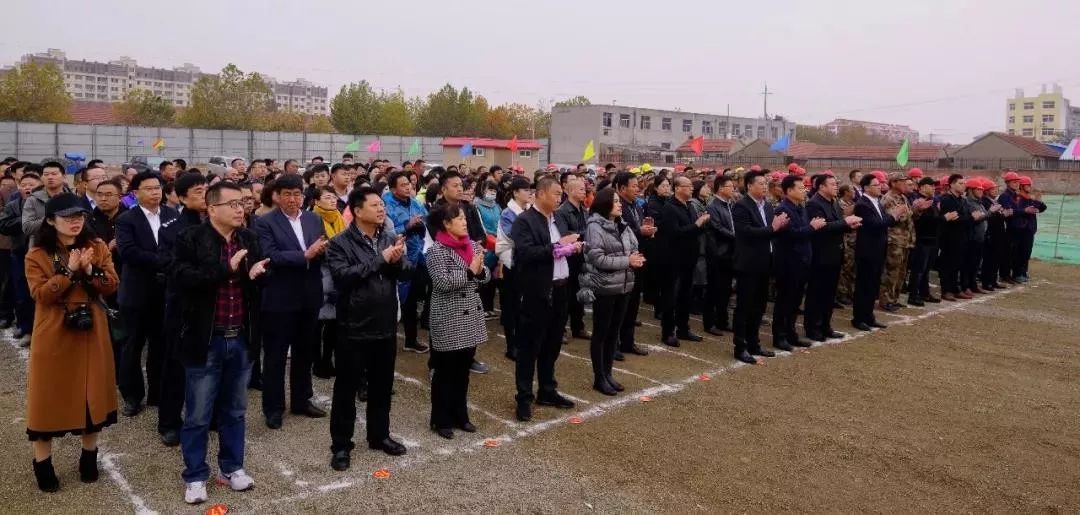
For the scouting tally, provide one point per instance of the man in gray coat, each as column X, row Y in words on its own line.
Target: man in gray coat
column 52, row 175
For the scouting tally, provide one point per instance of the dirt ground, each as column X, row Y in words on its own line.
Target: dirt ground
column 961, row 407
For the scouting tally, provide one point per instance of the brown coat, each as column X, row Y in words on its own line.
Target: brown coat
column 71, row 371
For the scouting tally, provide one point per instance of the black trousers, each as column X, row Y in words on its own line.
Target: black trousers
column 173, row 381
column 377, row 358
column 630, row 316
column 714, row 314
column 790, row 287
column 751, row 296
column 144, row 325
column 920, row 262
column 24, row 304
column 7, row 294
column 327, row 342
column 988, row 273
column 951, row 261
column 1025, row 243
column 608, row 312
column 820, row 296
column 487, row 294
column 867, row 286
column 510, row 303
column 542, row 321
column 575, row 308
column 280, row 331
column 676, row 292
column 969, row 272
column 418, row 292
column 450, row 387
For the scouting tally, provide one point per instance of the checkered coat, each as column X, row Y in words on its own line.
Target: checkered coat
column 457, row 314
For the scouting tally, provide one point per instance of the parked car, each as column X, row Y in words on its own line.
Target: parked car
column 144, row 163
column 223, row 161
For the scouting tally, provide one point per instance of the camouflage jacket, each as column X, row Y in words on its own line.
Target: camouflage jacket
column 903, row 233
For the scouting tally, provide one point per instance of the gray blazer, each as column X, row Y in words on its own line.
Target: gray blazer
column 457, row 314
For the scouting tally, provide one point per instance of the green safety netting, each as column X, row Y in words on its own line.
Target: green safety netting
column 1058, row 238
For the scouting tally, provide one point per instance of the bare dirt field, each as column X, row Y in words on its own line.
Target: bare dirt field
column 960, row 407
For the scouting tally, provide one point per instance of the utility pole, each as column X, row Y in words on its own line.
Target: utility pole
column 765, row 94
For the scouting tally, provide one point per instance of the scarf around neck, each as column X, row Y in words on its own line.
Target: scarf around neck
column 333, row 222
column 462, row 246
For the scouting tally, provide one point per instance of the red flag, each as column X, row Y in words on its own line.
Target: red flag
column 514, row 144
column 698, row 145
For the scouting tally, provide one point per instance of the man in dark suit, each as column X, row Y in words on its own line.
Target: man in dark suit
column 791, row 262
column 626, row 185
column 719, row 251
column 870, row 246
column 570, row 219
column 141, row 297
column 295, row 241
column 755, row 228
column 190, row 189
column 539, row 249
column 676, row 255
column 827, row 257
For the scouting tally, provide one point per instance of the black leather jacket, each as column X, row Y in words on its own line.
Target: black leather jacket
column 367, row 305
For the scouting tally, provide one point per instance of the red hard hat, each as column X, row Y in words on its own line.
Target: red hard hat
column 829, row 173
column 792, row 168
column 915, row 173
column 1011, row 176
column 975, row 184
column 1025, row 180
column 943, row 181
column 807, row 182
column 881, row 177
column 755, row 168
column 776, row 176
column 800, row 171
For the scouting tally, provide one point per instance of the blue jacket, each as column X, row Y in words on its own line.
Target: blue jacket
column 400, row 212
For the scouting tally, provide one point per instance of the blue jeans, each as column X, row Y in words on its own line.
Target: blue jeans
column 219, row 385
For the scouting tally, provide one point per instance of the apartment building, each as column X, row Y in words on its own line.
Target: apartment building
column 1047, row 117
column 892, row 132
column 93, row 81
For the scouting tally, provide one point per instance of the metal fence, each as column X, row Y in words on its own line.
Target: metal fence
column 118, row 144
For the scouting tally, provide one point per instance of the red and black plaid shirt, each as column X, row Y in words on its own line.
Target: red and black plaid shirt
column 230, row 295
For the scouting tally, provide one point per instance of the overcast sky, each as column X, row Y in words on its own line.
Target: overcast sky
column 944, row 67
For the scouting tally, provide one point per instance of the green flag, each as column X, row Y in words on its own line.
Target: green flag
column 353, row 147
column 902, row 155
column 414, row 149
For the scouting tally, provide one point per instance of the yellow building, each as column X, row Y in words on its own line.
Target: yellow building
column 1045, row 117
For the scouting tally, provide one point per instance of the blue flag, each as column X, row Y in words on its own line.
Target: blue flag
column 781, row 144
column 466, row 150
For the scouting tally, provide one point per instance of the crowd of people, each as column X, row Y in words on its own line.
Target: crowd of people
column 228, row 278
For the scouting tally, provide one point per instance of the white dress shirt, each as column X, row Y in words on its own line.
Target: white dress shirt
column 877, row 204
column 562, row 268
column 297, row 228
column 154, row 219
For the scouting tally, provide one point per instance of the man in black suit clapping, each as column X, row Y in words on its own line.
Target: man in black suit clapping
column 676, row 255
column 828, row 255
column 870, row 251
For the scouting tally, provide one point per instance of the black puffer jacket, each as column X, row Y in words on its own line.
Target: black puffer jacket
column 367, row 306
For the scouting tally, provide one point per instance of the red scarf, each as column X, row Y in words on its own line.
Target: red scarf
column 463, row 245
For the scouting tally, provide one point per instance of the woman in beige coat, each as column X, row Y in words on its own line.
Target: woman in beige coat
column 71, row 385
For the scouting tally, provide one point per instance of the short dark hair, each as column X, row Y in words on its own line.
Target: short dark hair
column 844, row 190
column 89, row 164
column 52, row 164
column 233, row 161
column 928, row 180
column 954, row 177
column 114, row 182
column 187, row 181
column 359, row 196
column 545, row 183
column 447, row 175
column 287, row 161
column 851, row 174
column 866, row 180
column 320, row 158
column 622, row 179
column 31, row 174
column 347, row 155
column 395, row 175
column 288, row 182
column 609, row 166
column 495, row 168
column 603, row 203
column 7, row 176
column 789, row 182
column 143, row 176
column 720, row 181
column 168, row 188
column 180, row 163
column 750, row 176
column 164, row 164
column 442, row 213
column 337, row 166
column 820, row 179
column 213, row 193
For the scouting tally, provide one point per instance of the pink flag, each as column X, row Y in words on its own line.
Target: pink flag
column 1076, row 147
column 374, row 147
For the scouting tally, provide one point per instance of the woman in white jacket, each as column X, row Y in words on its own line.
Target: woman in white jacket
column 520, row 192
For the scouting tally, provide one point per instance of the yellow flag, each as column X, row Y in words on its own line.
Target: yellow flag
column 590, row 151
column 159, row 144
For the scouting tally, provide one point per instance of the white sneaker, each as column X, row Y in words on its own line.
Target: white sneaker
column 195, row 492
column 238, row 481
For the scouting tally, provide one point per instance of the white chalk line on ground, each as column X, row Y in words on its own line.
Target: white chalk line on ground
column 623, row 400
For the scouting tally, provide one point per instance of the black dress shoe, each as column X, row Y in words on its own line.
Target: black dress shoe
column 671, row 341
column 784, row 346
column 340, row 461
column 763, row 353
column 637, row 350
column 170, row 438
column 273, row 421
column 445, row 432
column 88, row 469
column 834, row 334
column 838, row 305
column 468, row 427
column 714, row 331
column 817, row 337
column 860, row 326
column 46, row 475
column 878, row 325
column 802, row 342
column 131, row 409
column 916, row 302
column 932, row 299
column 745, row 357
column 361, row 394
column 582, row 335
column 556, row 400
column 309, row 410
column 523, row 413
column 604, row 388
column 690, row 337
column 511, row 354
column 389, row 446
column 255, row 384
column 615, row 384
column 637, row 323
column 618, row 356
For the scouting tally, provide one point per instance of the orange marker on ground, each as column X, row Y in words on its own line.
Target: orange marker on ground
column 381, row 474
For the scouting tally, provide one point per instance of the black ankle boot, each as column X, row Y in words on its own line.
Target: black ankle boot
column 46, row 476
column 88, row 471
